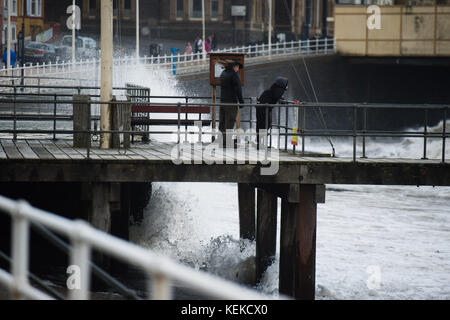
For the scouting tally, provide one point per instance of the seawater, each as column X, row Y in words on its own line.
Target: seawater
column 373, row 242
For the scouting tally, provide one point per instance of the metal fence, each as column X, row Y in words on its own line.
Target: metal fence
column 301, row 128
column 42, row 74
column 160, row 270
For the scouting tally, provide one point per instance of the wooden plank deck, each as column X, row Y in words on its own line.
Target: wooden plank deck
column 62, row 149
column 57, row 160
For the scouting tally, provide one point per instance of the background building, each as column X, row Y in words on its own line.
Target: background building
column 30, row 13
column 182, row 19
column 416, row 28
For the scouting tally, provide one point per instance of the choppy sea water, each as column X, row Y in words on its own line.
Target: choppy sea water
column 373, row 242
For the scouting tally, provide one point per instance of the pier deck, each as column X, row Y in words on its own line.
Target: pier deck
column 48, row 160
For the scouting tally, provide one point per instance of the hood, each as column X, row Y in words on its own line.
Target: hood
column 281, row 82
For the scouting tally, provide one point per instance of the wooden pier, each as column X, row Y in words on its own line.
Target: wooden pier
column 299, row 181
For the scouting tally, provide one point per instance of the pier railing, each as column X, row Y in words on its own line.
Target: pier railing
column 160, row 270
column 299, row 129
column 181, row 63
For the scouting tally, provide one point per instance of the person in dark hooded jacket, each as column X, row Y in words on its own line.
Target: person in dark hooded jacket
column 230, row 92
column 269, row 96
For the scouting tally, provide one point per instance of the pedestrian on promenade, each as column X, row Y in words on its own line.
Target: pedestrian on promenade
column 208, row 44
column 198, row 46
column 213, row 41
column 188, row 49
column 12, row 58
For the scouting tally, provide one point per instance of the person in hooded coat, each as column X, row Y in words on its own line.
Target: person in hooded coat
column 269, row 96
column 230, row 92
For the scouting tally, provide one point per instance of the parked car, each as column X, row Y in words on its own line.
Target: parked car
column 86, row 47
column 39, row 52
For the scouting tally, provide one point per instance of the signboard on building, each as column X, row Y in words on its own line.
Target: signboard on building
column 45, row 36
column 238, row 11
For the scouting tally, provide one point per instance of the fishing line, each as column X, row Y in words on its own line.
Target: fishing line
column 319, row 113
column 321, row 117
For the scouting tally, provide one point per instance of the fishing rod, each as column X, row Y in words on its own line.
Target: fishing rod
column 319, row 113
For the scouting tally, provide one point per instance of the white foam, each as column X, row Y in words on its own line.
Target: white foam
column 402, row 231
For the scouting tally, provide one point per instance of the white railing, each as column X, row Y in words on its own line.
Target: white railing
column 161, row 270
column 184, row 63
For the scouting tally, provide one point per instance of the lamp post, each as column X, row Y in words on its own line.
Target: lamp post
column 203, row 27
column 270, row 27
column 137, row 30
column 73, row 30
column 8, row 45
column 106, row 71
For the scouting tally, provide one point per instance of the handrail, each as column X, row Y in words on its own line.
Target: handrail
column 35, row 278
column 181, row 64
column 307, row 47
column 84, row 238
column 66, row 248
column 284, row 130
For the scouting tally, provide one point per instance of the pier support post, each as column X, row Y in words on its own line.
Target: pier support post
column 306, row 226
column 287, row 247
column 266, row 231
column 97, row 197
column 246, row 197
column 120, row 210
column 100, row 210
column 298, row 240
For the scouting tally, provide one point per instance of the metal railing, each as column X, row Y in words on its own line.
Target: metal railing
column 183, row 63
column 160, row 270
column 357, row 128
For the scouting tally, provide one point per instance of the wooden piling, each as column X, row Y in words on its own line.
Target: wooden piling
column 97, row 196
column 100, row 213
column 306, row 223
column 266, row 231
column 120, row 220
column 287, row 247
column 120, row 210
column 246, row 197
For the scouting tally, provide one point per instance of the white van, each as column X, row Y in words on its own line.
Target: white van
column 87, row 47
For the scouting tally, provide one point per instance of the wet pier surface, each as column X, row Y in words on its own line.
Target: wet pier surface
column 48, row 160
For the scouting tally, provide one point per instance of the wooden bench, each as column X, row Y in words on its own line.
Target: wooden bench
column 140, row 116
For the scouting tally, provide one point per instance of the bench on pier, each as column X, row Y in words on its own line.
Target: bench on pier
column 140, row 116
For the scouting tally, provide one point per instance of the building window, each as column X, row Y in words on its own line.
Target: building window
column 127, row 8
column 114, row 8
column 13, row 33
column 92, row 8
column 180, row 9
column 214, row 9
column 34, row 8
column 13, row 6
column 195, row 9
